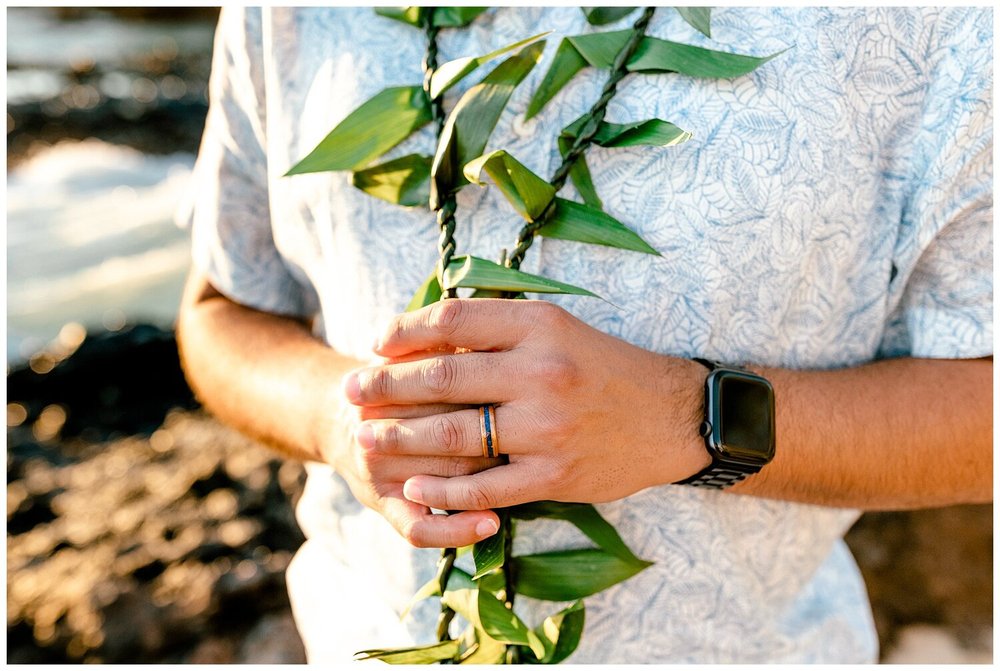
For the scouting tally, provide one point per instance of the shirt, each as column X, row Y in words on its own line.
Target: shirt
column 833, row 207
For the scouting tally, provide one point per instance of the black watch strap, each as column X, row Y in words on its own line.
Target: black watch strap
column 716, row 475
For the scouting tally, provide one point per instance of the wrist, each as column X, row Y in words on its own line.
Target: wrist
column 681, row 448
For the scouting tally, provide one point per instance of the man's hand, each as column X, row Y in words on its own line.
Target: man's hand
column 376, row 478
column 582, row 415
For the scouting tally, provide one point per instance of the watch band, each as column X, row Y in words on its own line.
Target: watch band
column 716, row 475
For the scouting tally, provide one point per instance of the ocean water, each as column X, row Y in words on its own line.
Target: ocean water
column 91, row 240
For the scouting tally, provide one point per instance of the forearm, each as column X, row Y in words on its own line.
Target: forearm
column 263, row 374
column 894, row 434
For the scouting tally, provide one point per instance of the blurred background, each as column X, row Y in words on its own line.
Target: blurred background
column 139, row 529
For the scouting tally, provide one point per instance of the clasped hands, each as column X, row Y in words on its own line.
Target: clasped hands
column 581, row 415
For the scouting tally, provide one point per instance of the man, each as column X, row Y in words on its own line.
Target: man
column 829, row 227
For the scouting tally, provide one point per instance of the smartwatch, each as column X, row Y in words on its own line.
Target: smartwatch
column 738, row 427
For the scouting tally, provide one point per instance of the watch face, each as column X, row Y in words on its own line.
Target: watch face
column 742, row 416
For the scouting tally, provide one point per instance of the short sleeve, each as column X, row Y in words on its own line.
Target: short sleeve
column 941, row 298
column 228, row 208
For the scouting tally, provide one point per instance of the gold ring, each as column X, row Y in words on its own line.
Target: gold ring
column 488, row 427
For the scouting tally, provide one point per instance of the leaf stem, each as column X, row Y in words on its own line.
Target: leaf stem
column 446, row 213
column 585, row 138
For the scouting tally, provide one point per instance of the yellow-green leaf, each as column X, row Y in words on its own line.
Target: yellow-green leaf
column 526, row 191
column 374, row 128
column 425, row 654
column 500, row 623
column 700, row 18
column 429, row 292
column 560, row 633
column 477, row 273
column 599, row 16
column 403, row 181
column 452, row 72
column 582, row 223
column 485, row 650
column 473, row 119
column 570, row 574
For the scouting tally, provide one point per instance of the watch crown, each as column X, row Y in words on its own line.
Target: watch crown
column 705, row 429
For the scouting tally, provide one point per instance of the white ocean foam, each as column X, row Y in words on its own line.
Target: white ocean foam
column 90, row 232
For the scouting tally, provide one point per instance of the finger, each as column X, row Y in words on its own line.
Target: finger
column 394, row 468
column 477, row 324
column 423, row 529
column 457, row 434
column 494, row 488
column 472, row 378
column 405, row 411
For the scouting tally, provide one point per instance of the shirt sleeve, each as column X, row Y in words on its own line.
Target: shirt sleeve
column 228, row 208
column 941, row 297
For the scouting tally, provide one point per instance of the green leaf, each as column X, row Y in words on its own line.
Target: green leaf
column 477, row 273
column 413, row 16
column 700, row 18
column 489, row 553
column 429, row 292
column 444, row 17
column 653, row 55
column 487, row 612
column 652, row 132
column 526, row 191
column 599, row 16
column 430, row 588
column 582, row 223
column 473, row 119
column 584, row 517
column 374, row 128
column 500, row 623
column 452, row 72
column 560, row 633
column 403, row 181
column 656, row 55
column 456, row 17
column 565, row 64
column 426, row 654
column 571, row 574
column 580, row 174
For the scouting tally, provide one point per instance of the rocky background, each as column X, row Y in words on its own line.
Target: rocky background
column 141, row 530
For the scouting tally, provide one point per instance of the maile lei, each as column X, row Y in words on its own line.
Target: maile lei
column 484, row 599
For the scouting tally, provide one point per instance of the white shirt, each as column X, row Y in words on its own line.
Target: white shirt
column 833, row 207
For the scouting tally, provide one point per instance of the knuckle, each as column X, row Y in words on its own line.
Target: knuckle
column 478, row 496
column 558, row 373
column 549, row 313
column 446, row 434
column 446, row 317
column 440, row 376
column 379, row 384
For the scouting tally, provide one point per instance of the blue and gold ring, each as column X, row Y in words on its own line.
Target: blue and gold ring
column 487, row 423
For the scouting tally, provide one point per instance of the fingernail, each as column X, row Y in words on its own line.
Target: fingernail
column 352, row 386
column 411, row 490
column 365, row 435
column 487, row 527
